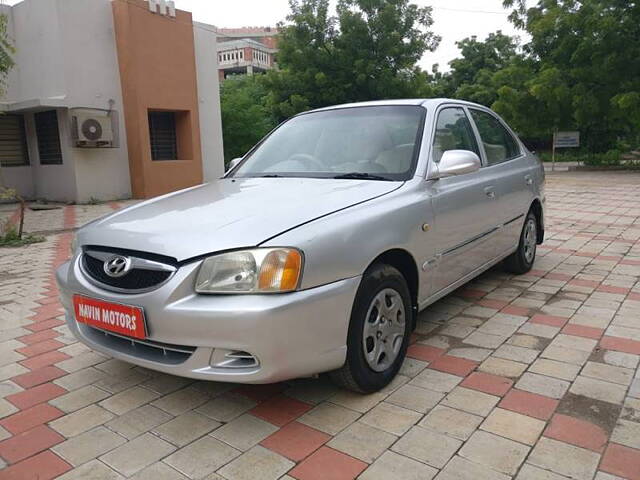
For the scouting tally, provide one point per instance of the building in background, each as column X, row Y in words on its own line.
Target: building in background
column 245, row 51
column 109, row 99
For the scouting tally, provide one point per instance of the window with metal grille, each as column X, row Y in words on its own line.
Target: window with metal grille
column 48, row 138
column 162, row 132
column 13, row 141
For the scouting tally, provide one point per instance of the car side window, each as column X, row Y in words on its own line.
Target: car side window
column 453, row 132
column 499, row 144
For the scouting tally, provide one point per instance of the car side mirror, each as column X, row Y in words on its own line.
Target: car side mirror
column 233, row 163
column 456, row 162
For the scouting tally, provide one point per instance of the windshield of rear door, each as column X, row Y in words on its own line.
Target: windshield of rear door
column 372, row 142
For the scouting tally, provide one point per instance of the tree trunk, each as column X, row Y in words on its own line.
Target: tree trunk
column 21, row 224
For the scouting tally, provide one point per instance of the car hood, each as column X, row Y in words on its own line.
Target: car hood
column 226, row 214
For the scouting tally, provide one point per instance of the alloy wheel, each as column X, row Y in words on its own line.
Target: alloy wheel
column 384, row 329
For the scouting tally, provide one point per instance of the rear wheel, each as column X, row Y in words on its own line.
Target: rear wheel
column 522, row 259
column 379, row 331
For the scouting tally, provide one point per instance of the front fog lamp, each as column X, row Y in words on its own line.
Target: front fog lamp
column 262, row 270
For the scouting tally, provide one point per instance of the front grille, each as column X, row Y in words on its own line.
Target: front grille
column 136, row 279
column 145, row 349
column 144, row 274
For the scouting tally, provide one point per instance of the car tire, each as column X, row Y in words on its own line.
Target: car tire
column 375, row 349
column 521, row 261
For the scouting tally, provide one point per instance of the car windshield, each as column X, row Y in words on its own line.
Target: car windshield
column 370, row 143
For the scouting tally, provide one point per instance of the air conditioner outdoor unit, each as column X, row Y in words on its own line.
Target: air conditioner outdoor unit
column 92, row 130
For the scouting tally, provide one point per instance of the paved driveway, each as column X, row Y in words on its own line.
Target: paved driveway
column 533, row 377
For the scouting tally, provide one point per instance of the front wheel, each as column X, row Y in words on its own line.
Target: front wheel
column 522, row 259
column 379, row 331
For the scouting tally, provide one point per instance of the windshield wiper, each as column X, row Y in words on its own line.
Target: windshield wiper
column 269, row 175
column 362, row 176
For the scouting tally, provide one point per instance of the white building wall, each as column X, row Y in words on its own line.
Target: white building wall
column 20, row 178
column 209, row 101
column 66, row 55
column 54, row 182
column 35, row 30
column 92, row 80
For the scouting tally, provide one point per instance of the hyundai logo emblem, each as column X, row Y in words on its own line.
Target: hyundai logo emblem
column 117, row 266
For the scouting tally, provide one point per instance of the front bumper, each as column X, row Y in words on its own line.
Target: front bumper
column 292, row 335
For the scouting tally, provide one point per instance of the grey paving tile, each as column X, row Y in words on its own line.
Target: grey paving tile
column 427, row 446
column 497, row 453
column 391, row 465
column 137, row 454
column 88, row 446
column 257, row 463
column 564, row 459
column 202, row 457
column 362, row 441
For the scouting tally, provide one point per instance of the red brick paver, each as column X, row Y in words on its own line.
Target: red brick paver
column 36, row 377
column 454, row 365
column 621, row 344
column 488, row 383
column 40, row 347
column 280, row 410
column 515, row 310
column 582, row 331
column 30, row 418
column 35, row 395
column 29, row 443
column 43, row 360
column 43, row 466
column 534, row 405
column 425, row 353
column 295, row 441
column 260, row 393
column 577, row 432
column 423, row 423
column 328, row 464
column 622, row 461
column 551, row 320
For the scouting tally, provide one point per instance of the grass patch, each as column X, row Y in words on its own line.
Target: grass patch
column 10, row 238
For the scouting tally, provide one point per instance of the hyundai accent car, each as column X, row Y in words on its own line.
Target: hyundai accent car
column 316, row 251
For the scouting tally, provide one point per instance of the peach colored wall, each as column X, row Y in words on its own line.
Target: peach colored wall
column 271, row 42
column 158, row 72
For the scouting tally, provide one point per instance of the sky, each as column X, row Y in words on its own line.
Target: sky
column 454, row 19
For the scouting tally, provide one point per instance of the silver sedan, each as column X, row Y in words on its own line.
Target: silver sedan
column 316, row 251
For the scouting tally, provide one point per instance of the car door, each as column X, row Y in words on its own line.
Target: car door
column 464, row 205
column 511, row 171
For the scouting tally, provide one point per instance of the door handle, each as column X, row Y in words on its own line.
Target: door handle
column 528, row 180
column 490, row 192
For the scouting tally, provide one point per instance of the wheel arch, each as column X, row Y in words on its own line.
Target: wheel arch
column 536, row 208
column 404, row 262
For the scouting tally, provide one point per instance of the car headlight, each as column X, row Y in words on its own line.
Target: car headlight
column 260, row 270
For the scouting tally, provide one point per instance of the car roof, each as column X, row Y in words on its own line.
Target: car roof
column 425, row 102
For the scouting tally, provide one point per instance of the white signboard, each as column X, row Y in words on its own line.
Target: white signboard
column 566, row 140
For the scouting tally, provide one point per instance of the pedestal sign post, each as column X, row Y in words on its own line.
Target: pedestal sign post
column 563, row 140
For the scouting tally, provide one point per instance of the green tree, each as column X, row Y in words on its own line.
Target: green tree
column 6, row 52
column 245, row 116
column 367, row 51
column 587, row 73
column 9, row 232
column 472, row 74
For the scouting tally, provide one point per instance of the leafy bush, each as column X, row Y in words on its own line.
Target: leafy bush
column 612, row 158
column 569, row 156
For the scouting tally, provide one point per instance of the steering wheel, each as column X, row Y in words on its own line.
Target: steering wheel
column 307, row 159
